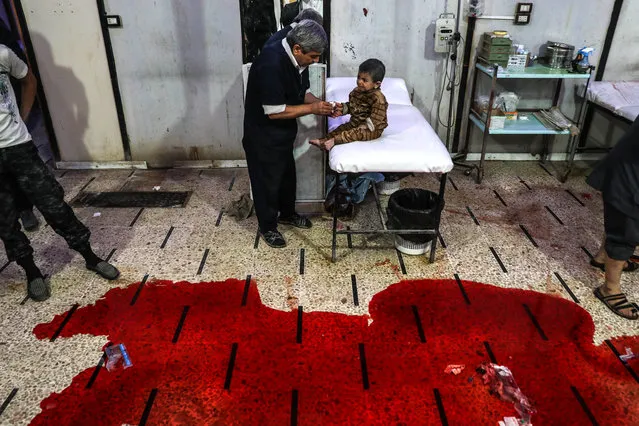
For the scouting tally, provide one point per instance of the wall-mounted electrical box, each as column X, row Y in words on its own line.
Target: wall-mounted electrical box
column 444, row 30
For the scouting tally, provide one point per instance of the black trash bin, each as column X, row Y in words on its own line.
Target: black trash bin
column 414, row 208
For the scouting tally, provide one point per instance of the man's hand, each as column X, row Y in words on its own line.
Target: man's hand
column 321, row 108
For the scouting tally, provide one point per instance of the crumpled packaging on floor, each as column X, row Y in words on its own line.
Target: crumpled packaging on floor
column 241, row 208
column 502, row 384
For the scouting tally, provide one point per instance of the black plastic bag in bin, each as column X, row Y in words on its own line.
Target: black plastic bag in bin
column 414, row 208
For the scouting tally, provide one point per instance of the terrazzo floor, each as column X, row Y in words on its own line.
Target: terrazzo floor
column 519, row 229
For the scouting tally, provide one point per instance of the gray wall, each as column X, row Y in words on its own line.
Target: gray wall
column 70, row 50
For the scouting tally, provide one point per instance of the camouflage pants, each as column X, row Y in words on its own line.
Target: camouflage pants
column 21, row 166
column 348, row 132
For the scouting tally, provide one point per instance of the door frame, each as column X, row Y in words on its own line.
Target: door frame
column 113, row 72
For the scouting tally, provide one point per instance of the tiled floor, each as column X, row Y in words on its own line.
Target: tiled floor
column 520, row 228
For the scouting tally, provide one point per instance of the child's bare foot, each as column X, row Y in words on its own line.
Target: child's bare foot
column 329, row 144
column 317, row 142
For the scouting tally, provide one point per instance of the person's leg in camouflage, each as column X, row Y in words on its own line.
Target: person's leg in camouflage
column 15, row 242
column 23, row 163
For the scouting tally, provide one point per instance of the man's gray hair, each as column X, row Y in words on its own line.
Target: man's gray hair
column 309, row 13
column 309, row 35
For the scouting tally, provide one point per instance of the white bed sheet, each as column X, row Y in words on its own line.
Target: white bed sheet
column 408, row 145
column 620, row 97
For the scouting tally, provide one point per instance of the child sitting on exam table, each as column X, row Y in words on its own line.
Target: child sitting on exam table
column 367, row 106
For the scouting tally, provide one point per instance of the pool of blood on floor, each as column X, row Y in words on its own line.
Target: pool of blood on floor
column 195, row 385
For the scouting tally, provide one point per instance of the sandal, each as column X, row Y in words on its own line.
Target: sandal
column 630, row 267
column 617, row 302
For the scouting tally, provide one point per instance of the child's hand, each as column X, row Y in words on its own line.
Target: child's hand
column 338, row 111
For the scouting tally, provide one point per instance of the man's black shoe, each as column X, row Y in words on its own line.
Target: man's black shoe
column 273, row 239
column 297, row 221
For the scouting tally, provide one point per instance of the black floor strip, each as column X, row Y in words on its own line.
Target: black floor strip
column 587, row 252
column 8, row 400
column 178, row 330
column 203, row 262
column 441, row 240
column 565, row 286
column 65, row 321
column 627, row 367
column 302, row 261
column 108, row 258
column 584, row 406
column 300, row 313
column 362, row 360
column 148, row 407
column 229, row 370
column 257, row 240
column 166, row 239
column 499, row 198
column 247, row 286
column 461, row 288
column 4, row 267
column 532, row 240
column 453, row 183
column 26, row 298
column 219, row 218
column 418, row 321
column 575, row 197
column 524, row 183
column 232, row 182
column 62, row 175
column 131, row 174
column 554, row 215
column 535, row 322
column 349, row 238
column 355, row 295
column 401, row 261
column 97, row 369
column 490, row 353
column 86, row 184
column 470, row 212
column 294, row 404
column 501, row 264
column 139, row 290
column 440, row 408
column 131, row 199
column 545, row 169
column 137, row 216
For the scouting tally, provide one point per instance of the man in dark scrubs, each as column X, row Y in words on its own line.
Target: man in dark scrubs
column 617, row 177
column 308, row 13
column 277, row 94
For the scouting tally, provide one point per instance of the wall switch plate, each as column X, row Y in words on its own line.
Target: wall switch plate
column 522, row 19
column 524, row 8
column 114, row 21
